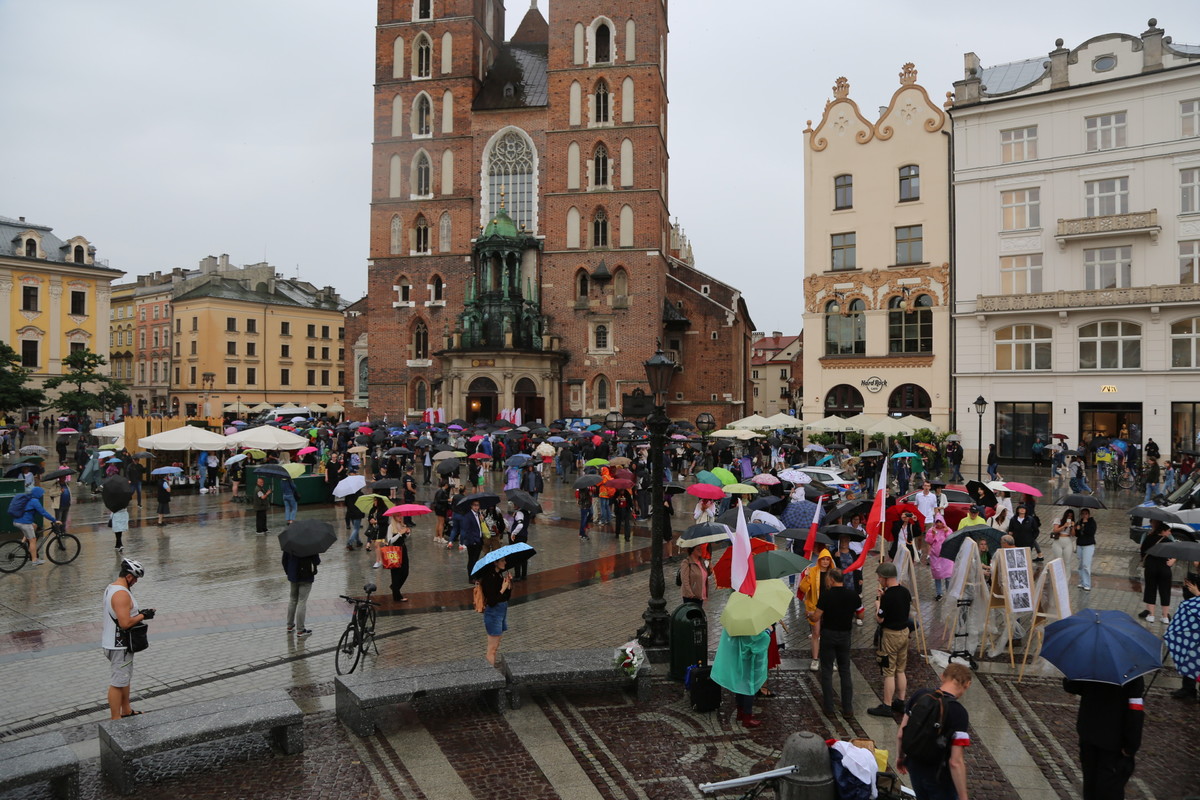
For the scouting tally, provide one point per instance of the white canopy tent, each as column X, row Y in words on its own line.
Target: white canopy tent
column 916, row 423
column 752, row 422
column 114, row 431
column 266, row 437
column 890, row 426
column 828, row 425
column 187, row 437
column 784, row 421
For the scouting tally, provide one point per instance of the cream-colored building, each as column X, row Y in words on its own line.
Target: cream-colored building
column 773, row 366
column 54, row 296
column 876, row 258
column 1077, row 271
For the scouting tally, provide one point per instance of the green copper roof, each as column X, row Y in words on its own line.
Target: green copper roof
column 501, row 225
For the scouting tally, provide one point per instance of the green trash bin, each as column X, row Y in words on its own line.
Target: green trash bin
column 6, row 521
column 11, row 485
column 688, row 640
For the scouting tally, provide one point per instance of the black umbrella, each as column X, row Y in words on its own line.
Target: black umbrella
column 987, row 533
column 673, row 488
column 765, row 503
column 1184, row 551
column 307, row 537
column 15, row 470
column 272, row 469
column 524, row 501
column 58, row 473
column 116, row 491
column 143, row 454
column 586, row 481
column 704, row 533
column 1079, row 501
column 386, row 483
column 362, row 438
column 485, row 499
column 848, row 509
column 981, row 494
column 1154, row 512
column 838, row 531
column 801, row 534
column 447, row 466
column 399, row 451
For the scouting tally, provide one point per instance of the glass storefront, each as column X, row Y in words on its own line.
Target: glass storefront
column 1185, row 427
column 1018, row 426
column 1114, row 420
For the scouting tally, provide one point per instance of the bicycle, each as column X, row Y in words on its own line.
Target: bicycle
column 358, row 634
column 60, row 547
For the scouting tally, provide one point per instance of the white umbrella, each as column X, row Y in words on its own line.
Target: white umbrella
column 726, row 433
column 827, row 425
column 767, row 518
column 545, row 449
column 890, row 426
column 813, row 447
column 110, row 431
column 185, row 437
column 785, row 421
column 236, row 408
column 749, row 423
column 861, row 422
column 349, row 485
column 267, row 437
column 795, row 476
column 916, row 423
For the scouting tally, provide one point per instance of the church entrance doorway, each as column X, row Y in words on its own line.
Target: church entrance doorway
column 530, row 403
column 482, row 395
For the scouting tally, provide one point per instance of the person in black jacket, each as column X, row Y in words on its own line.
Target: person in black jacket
column 1110, row 732
column 1156, row 574
column 1024, row 528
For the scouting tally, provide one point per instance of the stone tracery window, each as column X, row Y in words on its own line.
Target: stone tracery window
column 510, row 178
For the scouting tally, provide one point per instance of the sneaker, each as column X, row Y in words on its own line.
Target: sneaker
column 1149, row 618
column 881, row 710
column 815, row 665
column 585, row 538
column 1165, row 619
column 898, row 706
column 1143, row 615
column 858, row 622
column 1039, row 560
column 39, row 561
column 376, row 565
column 938, row 598
column 462, row 547
column 303, row 633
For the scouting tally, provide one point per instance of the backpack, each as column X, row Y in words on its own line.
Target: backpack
column 18, row 505
column 925, row 737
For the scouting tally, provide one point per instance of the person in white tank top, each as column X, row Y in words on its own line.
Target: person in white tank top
column 120, row 612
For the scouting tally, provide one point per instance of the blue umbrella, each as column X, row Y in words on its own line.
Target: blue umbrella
column 1183, row 638
column 235, row 459
column 518, row 460
column 594, row 427
column 555, row 439
column 167, row 471
column 1101, row 646
column 799, row 514
column 513, row 552
column 114, row 461
column 762, row 531
column 825, row 460
column 904, row 454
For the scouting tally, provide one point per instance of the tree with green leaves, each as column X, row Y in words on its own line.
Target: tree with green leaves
column 15, row 393
column 86, row 389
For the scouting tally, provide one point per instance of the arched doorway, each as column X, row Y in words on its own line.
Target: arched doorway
column 843, row 400
column 526, row 398
column 909, row 399
column 481, row 400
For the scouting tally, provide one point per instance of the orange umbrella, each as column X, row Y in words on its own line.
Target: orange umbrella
column 721, row 568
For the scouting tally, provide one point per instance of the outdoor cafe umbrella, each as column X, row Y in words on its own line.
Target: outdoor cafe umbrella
column 349, row 485
column 308, row 537
column 747, row 615
column 954, row 542
column 512, row 554
column 524, row 501
column 1183, row 637
column 1103, row 646
column 1079, row 501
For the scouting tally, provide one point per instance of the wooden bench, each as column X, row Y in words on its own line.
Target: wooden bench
column 359, row 695
column 527, row 670
column 45, row 757
column 123, row 740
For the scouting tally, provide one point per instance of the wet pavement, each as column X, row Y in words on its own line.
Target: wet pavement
column 222, row 596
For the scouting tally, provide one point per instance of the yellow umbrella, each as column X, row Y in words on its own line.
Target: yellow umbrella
column 740, row 488
column 367, row 502
column 747, row 615
column 295, row 470
column 107, row 447
column 357, row 449
column 255, row 453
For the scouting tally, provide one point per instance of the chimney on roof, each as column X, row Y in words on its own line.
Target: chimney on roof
column 22, row 219
column 223, row 262
column 208, row 264
column 777, row 334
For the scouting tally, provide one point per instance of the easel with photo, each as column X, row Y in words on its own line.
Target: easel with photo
column 1049, row 606
column 906, row 573
column 1012, row 591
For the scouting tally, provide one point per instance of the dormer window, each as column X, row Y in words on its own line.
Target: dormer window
column 78, row 254
column 509, row 90
column 31, row 248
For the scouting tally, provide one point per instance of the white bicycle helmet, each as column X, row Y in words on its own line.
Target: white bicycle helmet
column 131, row 567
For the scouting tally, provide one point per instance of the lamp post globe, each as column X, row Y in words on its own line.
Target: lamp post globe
column 980, row 407
column 654, row 634
column 706, row 423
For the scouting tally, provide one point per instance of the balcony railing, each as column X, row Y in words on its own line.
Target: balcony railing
column 1092, row 298
column 1139, row 222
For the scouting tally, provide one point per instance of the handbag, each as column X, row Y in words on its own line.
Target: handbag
column 133, row 639
column 391, row 556
column 477, row 597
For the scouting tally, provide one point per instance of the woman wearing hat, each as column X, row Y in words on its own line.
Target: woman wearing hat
column 812, row 582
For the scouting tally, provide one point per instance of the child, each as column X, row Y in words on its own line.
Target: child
column 941, row 568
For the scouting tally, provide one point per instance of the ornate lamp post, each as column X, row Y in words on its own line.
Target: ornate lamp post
column 659, row 372
column 613, row 420
column 980, row 407
column 208, row 380
column 706, row 423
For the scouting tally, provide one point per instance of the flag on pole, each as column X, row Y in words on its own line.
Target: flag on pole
column 811, row 541
column 875, row 520
column 741, row 570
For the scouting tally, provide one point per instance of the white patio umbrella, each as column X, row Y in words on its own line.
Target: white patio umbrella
column 828, row 425
column 890, row 426
column 752, row 422
column 186, row 437
column 266, row 437
column 784, row 421
column 916, row 423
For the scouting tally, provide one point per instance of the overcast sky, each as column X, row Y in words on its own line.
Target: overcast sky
column 168, row 131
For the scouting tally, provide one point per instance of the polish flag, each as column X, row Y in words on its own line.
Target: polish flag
column 875, row 519
column 741, row 569
column 811, row 541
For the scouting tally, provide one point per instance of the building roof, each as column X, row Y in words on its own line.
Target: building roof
column 533, row 28
column 771, row 347
column 283, row 293
column 1004, row 78
column 517, row 79
column 54, row 247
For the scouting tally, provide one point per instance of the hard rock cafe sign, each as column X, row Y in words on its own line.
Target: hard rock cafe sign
column 874, row 384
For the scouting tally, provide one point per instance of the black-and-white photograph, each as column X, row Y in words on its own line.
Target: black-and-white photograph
column 1013, row 558
column 1018, row 579
column 1021, row 602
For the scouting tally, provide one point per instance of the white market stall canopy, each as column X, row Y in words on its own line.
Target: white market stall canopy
column 266, row 437
column 784, row 421
column 187, row 437
column 113, row 431
column 749, row 423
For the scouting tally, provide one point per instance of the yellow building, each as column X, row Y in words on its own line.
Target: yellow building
column 121, row 333
column 54, row 296
column 245, row 334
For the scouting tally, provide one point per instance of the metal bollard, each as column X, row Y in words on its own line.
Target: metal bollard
column 813, row 778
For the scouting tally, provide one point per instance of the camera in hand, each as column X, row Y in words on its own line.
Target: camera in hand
column 148, row 613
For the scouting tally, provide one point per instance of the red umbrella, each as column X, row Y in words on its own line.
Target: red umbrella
column 480, row 456
column 623, row 474
column 407, row 510
column 365, row 429
column 479, row 438
column 1023, row 488
column 1059, row 436
column 620, row 483
column 895, row 511
column 721, row 568
column 706, row 491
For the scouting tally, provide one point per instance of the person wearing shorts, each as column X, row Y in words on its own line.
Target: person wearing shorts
column 121, row 613
column 25, row 522
column 893, row 607
column 497, row 588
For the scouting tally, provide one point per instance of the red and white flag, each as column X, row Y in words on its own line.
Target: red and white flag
column 875, row 519
column 811, row 541
column 741, row 570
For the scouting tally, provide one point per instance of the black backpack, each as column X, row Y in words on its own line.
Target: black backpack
column 925, row 736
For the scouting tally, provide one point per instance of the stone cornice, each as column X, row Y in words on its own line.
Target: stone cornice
column 877, row 362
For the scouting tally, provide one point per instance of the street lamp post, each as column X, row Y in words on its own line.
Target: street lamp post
column 980, row 407
column 655, row 633
column 706, row 423
column 208, row 379
column 238, row 408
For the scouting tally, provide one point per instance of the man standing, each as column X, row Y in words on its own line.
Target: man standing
column 1110, row 732
column 409, row 484
column 470, row 527
column 893, row 605
column 837, row 608
column 932, row 756
column 262, row 502
column 121, row 614
column 954, row 454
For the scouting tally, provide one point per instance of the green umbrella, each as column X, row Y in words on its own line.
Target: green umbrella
column 747, row 615
column 295, row 470
column 254, row 452
column 739, row 488
column 367, row 502
column 596, row 462
column 778, row 564
column 704, row 476
column 726, row 477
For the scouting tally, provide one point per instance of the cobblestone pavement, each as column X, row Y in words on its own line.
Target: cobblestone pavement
column 222, row 597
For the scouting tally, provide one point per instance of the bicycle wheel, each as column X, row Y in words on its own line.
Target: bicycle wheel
column 1125, row 481
column 347, row 654
column 62, row 549
column 13, row 556
column 369, row 631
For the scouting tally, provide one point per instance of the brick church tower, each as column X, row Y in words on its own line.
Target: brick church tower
column 522, row 252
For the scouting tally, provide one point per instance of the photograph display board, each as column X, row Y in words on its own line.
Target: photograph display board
column 1018, row 579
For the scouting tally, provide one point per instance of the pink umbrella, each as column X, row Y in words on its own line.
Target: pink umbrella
column 1023, row 488
column 765, row 479
column 706, row 491
column 67, row 430
column 678, row 436
column 407, row 510
column 230, row 430
column 303, row 451
column 480, row 457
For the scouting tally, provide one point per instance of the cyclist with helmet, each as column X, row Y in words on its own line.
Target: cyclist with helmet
column 121, row 613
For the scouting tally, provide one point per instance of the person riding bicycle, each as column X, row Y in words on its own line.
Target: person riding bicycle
column 25, row 521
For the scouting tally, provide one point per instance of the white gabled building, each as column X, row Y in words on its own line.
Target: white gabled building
column 1077, row 244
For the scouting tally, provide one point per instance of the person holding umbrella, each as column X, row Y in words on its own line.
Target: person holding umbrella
column 398, row 531
column 1156, row 573
column 163, row 496
column 522, row 521
column 301, row 571
column 497, row 589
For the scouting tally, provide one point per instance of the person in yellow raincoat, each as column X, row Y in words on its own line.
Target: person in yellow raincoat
column 812, row 582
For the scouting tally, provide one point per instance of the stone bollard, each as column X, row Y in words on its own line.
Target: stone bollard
column 814, row 779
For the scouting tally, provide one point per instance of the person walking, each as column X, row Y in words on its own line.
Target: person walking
column 993, row 463
column 812, row 583
column 1109, row 725
column 354, row 517
column 522, row 522
column 291, row 502
column 261, row 504
column 163, row 496
column 1153, row 478
column 121, row 613
column 440, row 507
column 583, row 496
column 1062, row 540
column 941, row 773
column 136, row 473
column 837, row 609
column 497, row 589
column 693, row 577
column 1156, row 571
column 1085, row 547
column 300, row 571
column 120, row 526
column 954, row 454
column 398, row 532
column 893, row 606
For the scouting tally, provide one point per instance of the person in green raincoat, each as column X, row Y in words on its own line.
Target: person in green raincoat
column 741, row 667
